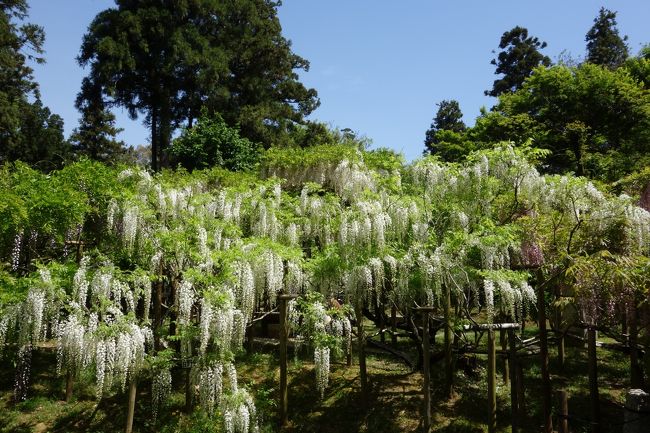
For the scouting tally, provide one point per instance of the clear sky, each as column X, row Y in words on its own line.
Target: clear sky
column 379, row 66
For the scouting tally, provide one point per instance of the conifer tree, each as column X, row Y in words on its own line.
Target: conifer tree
column 516, row 62
column 604, row 44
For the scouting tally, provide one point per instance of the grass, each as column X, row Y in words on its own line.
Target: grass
column 393, row 404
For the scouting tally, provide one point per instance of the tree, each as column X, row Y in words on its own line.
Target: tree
column 520, row 56
column 604, row 44
column 595, row 121
column 28, row 131
column 445, row 137
column 167, row 60
column 96, row 135
column 40, row 140
column 18, row 43
column 211, row 142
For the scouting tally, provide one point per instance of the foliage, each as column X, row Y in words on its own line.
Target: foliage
column 518, row 60
column 445, row 136
column 594, row 120
column 28, row 130
column 211, row 142
column 604, row 44
column 151, row 59
column 95, row 137
column 180, row 261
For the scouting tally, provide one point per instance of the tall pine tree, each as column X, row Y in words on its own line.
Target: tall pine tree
column 516, row 62
column 445, row 137
column 604, row 44
column 28, row 130
column 166, row 60
column 95, row 137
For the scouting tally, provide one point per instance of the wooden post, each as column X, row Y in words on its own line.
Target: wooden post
column 543, row 353
column 363, row 375
column 69, row 382
column 636, row 374
column 393, row 323
column 504, row 347
column 131, row 409
column 449, row 372
column 69, row 377
column 560, row 352
column 492, row 385
column 513, row 379
column 284, row 336
column 188, row 390
column 157, row 307
column 593, row 379
column 426, row 368
column 563, row 422
column 521, row 392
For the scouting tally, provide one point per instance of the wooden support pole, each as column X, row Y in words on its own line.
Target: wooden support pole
column 492, row 385
column 563, row 422
column 521, row 391
column 636, row 373
column 504, row 347
column 561, row 352
column 188, row 390
column 449, row 372
column 69, row 382
column 69, row 377
column 363, row 375
column 543, row 353
column 426, row 369
column 284, row 336
column 393, row 323
column 593, row 379
column 513, row 379
column 133, row 387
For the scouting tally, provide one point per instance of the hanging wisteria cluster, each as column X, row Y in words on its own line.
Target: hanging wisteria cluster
column 209, row 253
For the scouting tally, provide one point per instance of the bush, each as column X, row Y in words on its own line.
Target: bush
column 211, row 142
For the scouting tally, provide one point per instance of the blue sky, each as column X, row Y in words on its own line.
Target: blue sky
column 379, row 66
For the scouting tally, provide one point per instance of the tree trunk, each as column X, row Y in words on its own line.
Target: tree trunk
column 165, row 132
column 543, row 352
column 154, row 138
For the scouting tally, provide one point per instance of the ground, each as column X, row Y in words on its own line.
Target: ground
column 393, row 405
